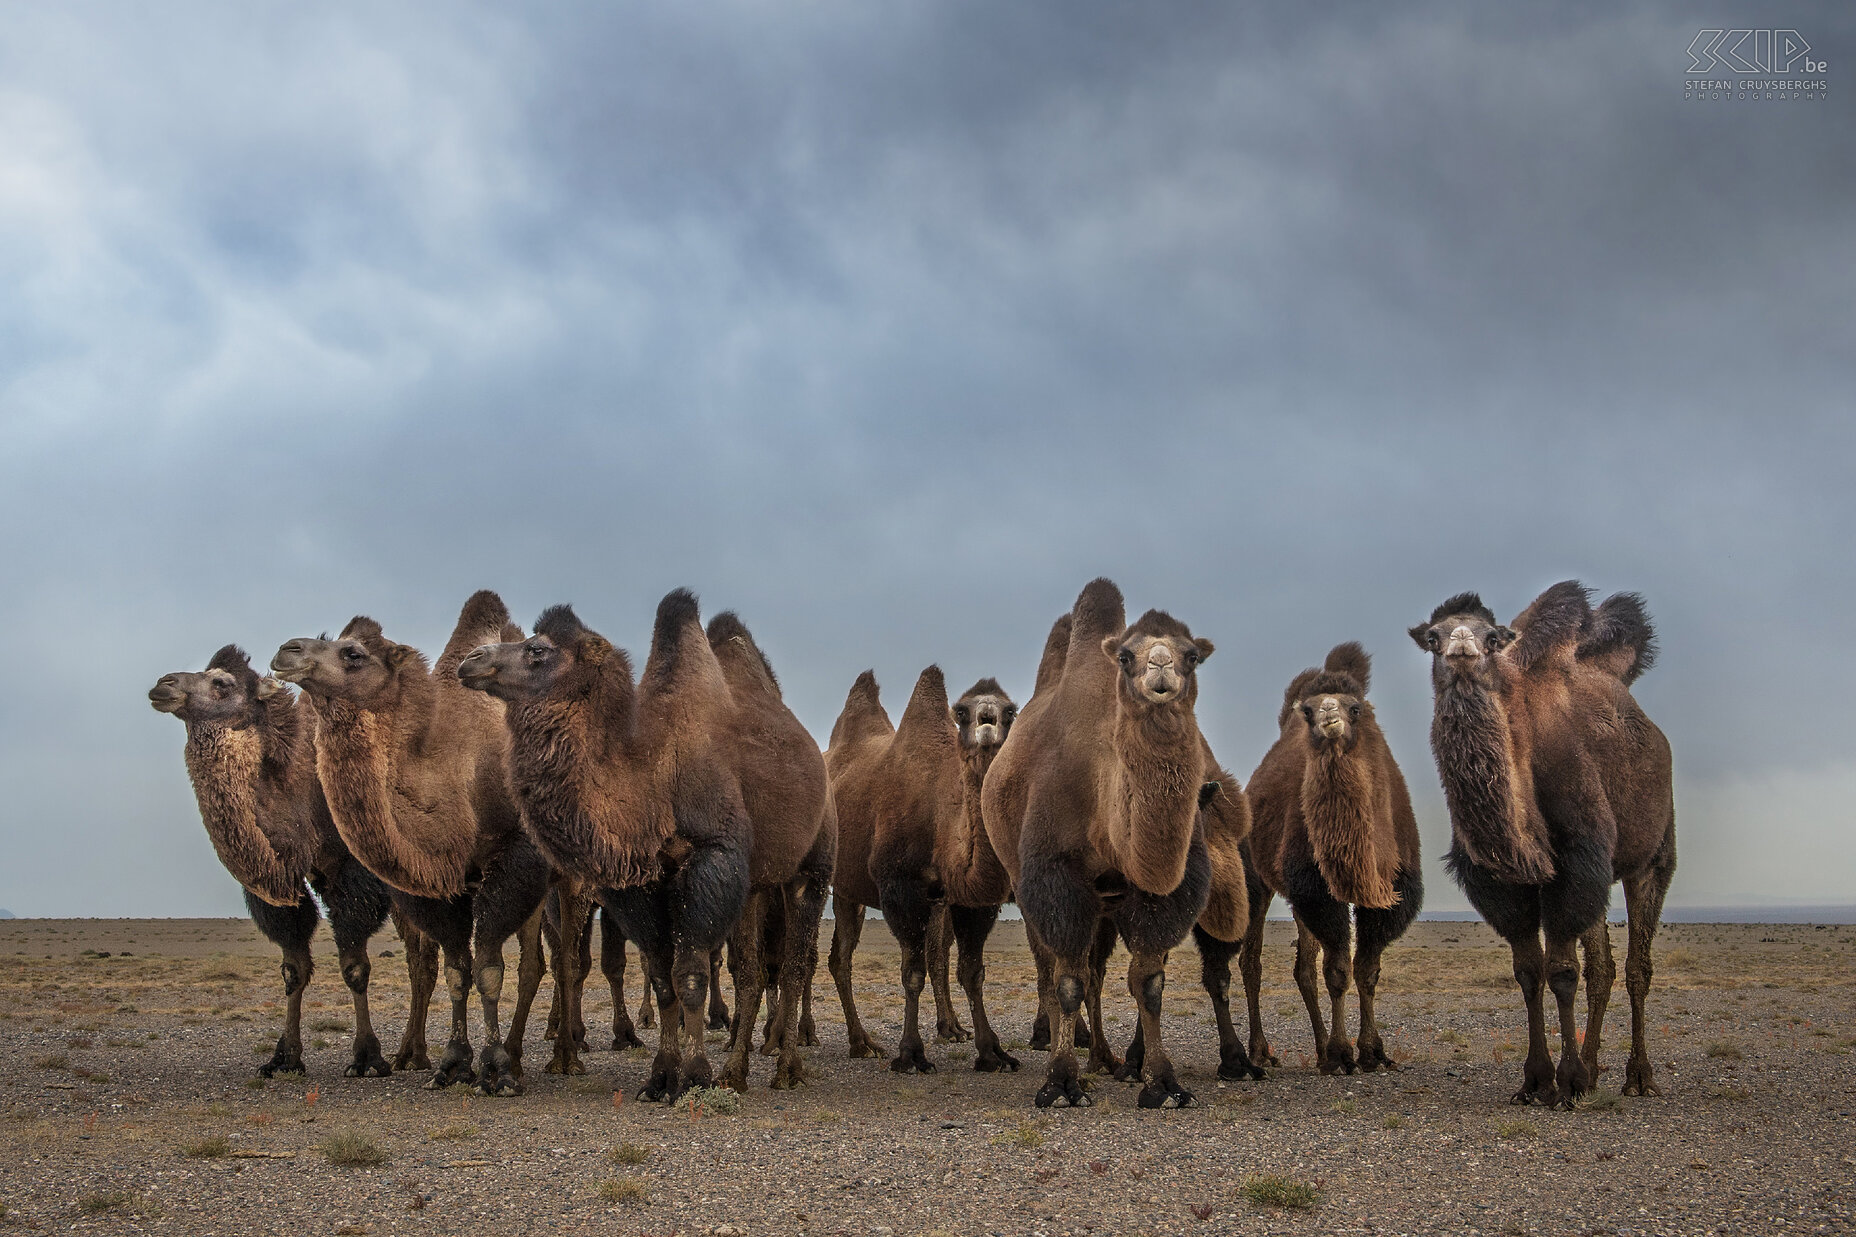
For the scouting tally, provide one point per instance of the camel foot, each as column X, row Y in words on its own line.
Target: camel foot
column 1237, row 1067
column 1165, row 1092
column 1574, row 1081
column 1373, row 1057
column 1067, row 1092
column 993, row 1059
column 565, row 1060
column 411, row 1057
column 366, row 1061
column 1039, row 1040
column 719, row 1019
column 1639, row 1078
column 453, row 1069
column 1339, row 1057
column 499, row 1074
column 625, row 1037
column 808, row 1032
column 1102, row 1060
column 697, row 1073
column 734, row 1077
column 867, row 1047
column 286, row 1060
column 951, row 1033
column 662, row 1078
column 769, row 1048
column 790, row 1072
column 910, row 1059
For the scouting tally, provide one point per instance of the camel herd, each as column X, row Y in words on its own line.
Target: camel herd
column 521, row 783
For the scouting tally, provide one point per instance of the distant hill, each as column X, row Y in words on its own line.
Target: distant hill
column 6, row 914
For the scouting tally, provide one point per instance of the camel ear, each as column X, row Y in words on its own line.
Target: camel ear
column 1111, row 648
column 1500, row 638
column 1418, row 636
column 399, row 654
column 1206, row 649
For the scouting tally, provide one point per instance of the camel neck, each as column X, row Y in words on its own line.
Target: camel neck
column 1489, row 799
column 1159, row 766
column 244, row 800
column 1339, row 793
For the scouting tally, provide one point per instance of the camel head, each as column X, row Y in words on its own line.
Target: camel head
column 360, row 666
column 1463, row 640
column 1159, row 660
column 984, row 716
column 226, row 693
column 1331, row 707
column 561, row 651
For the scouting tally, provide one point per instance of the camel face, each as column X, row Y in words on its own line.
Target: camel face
column 1158, row 669
column 214, row 695
column 516, row 671
column 1333, row 719
column 983, row 719
column 1462, row 646
column 347, row 667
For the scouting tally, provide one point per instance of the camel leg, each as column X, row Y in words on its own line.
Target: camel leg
column 1215, row 973
column 357, row 907
column 847, row 928
column 805, row 903
column 947, row 1028
column 291, row 928
column 1600, row 973
column 1063, row 911
column 1102, row 1059
column 719, row 1019
column 1251, row 963
column 642, row 915
column 455, row 1066
column 612, row 965
column 1337, row 969
column 744, row 959
column 496, row 1073
column 1643, row 902
column 970, row 926
column 531, row 963
column 569, row 976
column 808, row 1030
column 909, row 913
column 584, row 969
column 1062, row 1080
column 1146, row 984
column 551, row 941
column 1039, row 1040
column 1369, row 945
column 772, row 950
column 421, row 976
column 1530, row 972
column 1306, row 967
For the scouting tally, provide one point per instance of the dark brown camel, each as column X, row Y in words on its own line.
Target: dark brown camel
column 676, row 796
column 913, row 793
column 1558, row 784
column 1333, row 828
column 414, row 770
column 1093, row 805
column 252, row 762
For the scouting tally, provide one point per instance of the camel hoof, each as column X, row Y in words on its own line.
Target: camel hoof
column 790, row 1074
column 720, row 1021
column 270, row 1069
column 629, row 1039
column 952, row 1034
column 869, row 1048
column 411, row 1059
column 1071, row 1095
column 912, row 1060
column 1239, row 1070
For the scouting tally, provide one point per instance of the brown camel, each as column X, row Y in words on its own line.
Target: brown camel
column 911, row 796
column 252, row 763
column 1333, row 828
column 1094, row 807
column 413, row 768
column 678, row 797
column 1558, row 784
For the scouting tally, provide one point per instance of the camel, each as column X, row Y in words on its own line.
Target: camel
column 1094, row 806
column 1558, row 784
column 911, row 796
column 413, row 768
column 252, row 764
column 1333, row 828
column 690, row 799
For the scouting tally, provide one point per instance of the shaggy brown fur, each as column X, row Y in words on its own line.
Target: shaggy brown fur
column 914, row 792
column 413, row 768
column 1093, row 806
column 675, row 796
column 252, row 763
column 1333, row 827
column 1558, row 784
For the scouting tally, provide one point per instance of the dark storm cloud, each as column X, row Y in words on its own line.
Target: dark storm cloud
column 890, row 328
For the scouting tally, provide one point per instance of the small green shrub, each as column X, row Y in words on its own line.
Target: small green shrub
column 352, row 1149
column 1275, row 1190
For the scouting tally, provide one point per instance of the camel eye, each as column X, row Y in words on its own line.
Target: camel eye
column 961, row 716
column 354, row 654
column 1010, row 714
column 1308, row 714
column 1354, row 711
column 1192, row 657
column 1430, row 638
column 1126, row 658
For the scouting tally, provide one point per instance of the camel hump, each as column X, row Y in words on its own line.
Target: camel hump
column 512, row 633
column 926, row 715
column 1621, row 639
column 1353, row 661
column 1056, row 652
column 863, row 715
column 1098, row 612
column 733, row 645
column 1292, row 695
column 230, row 658
column 676, row 635
column 1554, row 620
column 480, row 622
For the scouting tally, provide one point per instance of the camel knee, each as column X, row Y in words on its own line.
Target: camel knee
column 1069, row 994
column 296, row 976
column 914, row 979
column 457, row 983
column 355, row 974
column 490, row 981
column 1564, row 981
column 1151, row 990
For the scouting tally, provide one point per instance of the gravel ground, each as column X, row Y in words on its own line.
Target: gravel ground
column 131, row 1106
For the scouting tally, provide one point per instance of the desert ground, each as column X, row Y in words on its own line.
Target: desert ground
column 131, row 1105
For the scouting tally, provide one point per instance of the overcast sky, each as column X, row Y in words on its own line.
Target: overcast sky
column 889, row 327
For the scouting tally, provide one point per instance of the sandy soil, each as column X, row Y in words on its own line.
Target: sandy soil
column 130, row 1105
